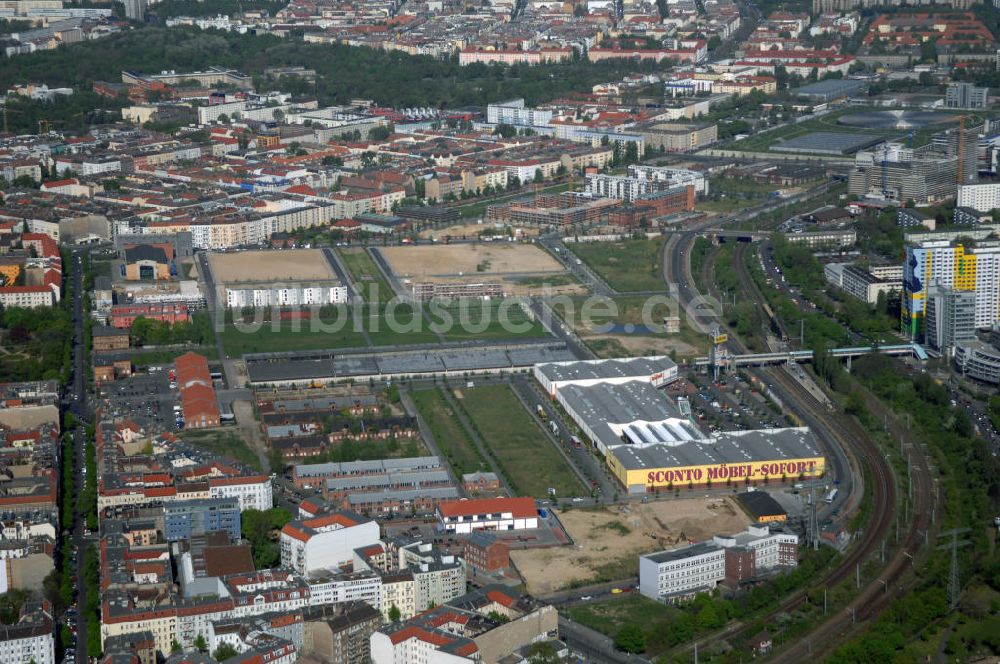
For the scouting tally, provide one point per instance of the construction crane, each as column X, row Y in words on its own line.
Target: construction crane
column 885, row 170
column 5, row 112
column 961, row 148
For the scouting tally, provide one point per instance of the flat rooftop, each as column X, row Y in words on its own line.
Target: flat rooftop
column 475, row 357
column 637, row 367
column 722, row 448
column 828, row 142
column 698, row 549
column 627, row 409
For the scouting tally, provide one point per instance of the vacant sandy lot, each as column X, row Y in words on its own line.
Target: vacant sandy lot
column 637, row 345
column 610, row 540
column 264, row 266
column 522, row 268
column 485, row 259
column 468, row 231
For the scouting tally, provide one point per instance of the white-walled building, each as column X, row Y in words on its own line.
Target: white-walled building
column 414, row 645
column 668, row 575
column 980, row 197
column 253, row 491
column 658, row 370
column 515, row 113
column 31, row 638
column 326, row 541
column 335, row 588
column 288, row 296
column 28, row 296
column 677, row 177
column 464, row 516
column 690, row 569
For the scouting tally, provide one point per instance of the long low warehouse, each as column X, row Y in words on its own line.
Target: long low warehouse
column 650, row 446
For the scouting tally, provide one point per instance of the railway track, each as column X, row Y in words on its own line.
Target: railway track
column 862, row 452
column 846, row 432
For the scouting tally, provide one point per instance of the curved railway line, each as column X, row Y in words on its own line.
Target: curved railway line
column 862, row 452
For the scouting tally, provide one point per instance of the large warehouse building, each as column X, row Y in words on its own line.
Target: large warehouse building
column 650, row 446
column 656, row 370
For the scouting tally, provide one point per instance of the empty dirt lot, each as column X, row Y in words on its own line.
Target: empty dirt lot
column 522, row 268
column 468, row 230
column 267, row 266
column 485, row 259
column 609, row 540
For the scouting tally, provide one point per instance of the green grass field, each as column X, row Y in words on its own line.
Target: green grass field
column 482, row 321
column 146, row 358
column 630, row 265
column 610, row 615
column 283, row 336
column 386, row 325
column 365, row 272
column 623, row 311
column 451, row 438
column 402, row 325
column 521, row 448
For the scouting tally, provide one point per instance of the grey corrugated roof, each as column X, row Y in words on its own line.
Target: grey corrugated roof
column 638, row 367
column 354, row 467
column 728, row 447
column 437, row 493
column 393, row 479
column 277, row 370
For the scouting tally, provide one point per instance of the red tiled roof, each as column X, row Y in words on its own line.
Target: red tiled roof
column 518, row 507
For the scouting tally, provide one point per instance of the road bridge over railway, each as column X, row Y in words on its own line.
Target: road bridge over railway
column 785, row 357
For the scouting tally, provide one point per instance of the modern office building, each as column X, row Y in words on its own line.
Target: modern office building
column 950, row 317
column 186, row 518
column 669, row 576
column 325, row 541
column 859, row 282
column 966, row 95
column 135, row 10
column 982, row 197
column 978, row 360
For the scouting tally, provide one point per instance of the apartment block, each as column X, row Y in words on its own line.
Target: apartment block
column 947, row 263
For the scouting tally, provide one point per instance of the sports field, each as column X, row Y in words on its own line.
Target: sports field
column 270, row 266
column 524, row 452
column 627, row 266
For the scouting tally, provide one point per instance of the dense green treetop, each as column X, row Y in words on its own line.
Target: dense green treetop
column 343, row 72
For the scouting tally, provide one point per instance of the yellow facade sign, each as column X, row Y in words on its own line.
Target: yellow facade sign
column 754, row 471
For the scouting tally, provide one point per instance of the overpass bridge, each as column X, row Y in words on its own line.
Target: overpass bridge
column 786, row 357
column 719, row 236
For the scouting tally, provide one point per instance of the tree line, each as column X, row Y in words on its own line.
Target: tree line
column 343, row 72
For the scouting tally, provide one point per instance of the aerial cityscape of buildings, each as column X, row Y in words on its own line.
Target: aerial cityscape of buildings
column 633, row 331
